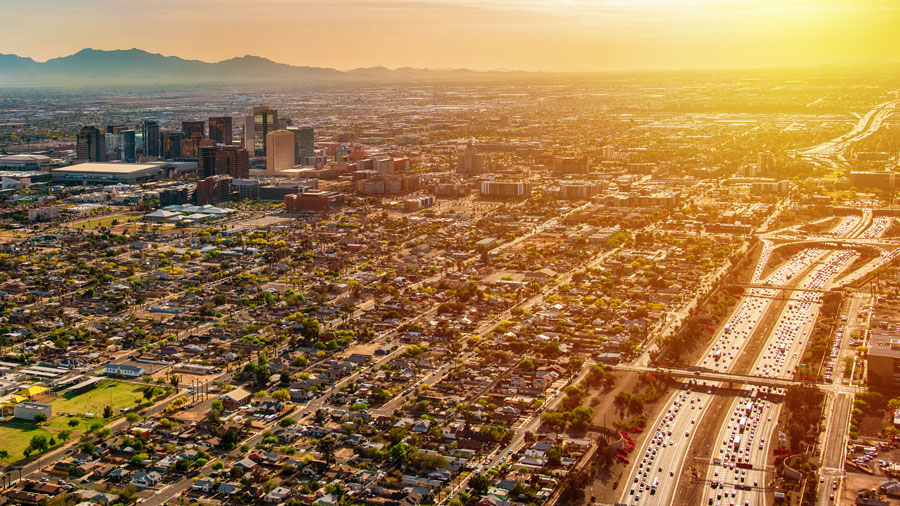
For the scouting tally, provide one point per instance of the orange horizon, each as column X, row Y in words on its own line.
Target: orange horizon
column 530, row 35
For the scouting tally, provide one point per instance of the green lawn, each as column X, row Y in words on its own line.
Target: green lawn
column 69, row 414
column 106, row 221
column 15, row 436
column 118, row 394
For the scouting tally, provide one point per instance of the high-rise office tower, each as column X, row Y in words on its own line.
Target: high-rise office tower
column 279, row 151
column 257, row 126
column 190, row 148
column 193, row 128
column 233, row 161
column 765, row 164
column 150, row 137
column 307, row 142
column 170, row 145
column 304, row 143
column 91, row 145
column 220, row 129
column 224, row 161
column 129, row 145
column 120, row 143
column 470, row 161
column 207, row 161
column 214, row 190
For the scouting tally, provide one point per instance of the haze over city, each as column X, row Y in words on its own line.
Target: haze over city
column 551, row 35
column 450, row 253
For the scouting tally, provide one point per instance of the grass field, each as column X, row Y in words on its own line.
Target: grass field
column 15, row 436
column 69, row 413
column 118, row 394
column 106, row 221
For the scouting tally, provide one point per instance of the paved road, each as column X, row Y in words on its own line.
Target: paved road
column 783, row 351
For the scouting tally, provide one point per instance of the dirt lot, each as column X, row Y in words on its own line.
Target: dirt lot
column 855, row 481
column 540, row 242
column 605, row 486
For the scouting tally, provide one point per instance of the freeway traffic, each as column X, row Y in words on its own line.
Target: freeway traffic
column 744, row 438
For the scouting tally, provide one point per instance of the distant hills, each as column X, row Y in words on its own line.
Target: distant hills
column 135, row 66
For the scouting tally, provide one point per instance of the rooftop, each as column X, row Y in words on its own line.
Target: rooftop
column 112, row 168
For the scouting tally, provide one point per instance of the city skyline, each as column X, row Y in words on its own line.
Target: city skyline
column 558, row 36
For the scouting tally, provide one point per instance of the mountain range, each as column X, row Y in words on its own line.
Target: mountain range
column 136, row 66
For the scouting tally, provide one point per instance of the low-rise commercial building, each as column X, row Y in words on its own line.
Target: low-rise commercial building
column 102, row 173
column 884, row 359
column 29, row 410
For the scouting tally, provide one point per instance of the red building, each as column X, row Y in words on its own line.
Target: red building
column 312, row 200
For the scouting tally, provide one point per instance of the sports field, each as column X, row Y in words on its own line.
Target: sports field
column 75, row 414
column 106, row 221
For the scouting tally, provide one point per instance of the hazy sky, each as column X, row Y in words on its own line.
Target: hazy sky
column 480, row 34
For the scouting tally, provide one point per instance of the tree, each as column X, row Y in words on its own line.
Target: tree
column 479, row 483
column 39, row 443
column 107, row 411
column 397, row 434
column 555, row 420
column 427, row 461
column 39, row 418
column 182, row 465
column 230, row 439
column 217, row 405
column 326, row 447
column 399, row 451
column 174, row 380
column 132, row 418
column 309, row 329
column 281, row 395
column 580, row 417
column 262, row 375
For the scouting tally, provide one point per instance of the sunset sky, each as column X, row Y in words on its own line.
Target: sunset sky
column 558, row 35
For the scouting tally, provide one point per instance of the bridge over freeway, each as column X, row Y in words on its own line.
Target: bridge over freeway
column 777, row 287
column 780, row 241
column 720, row 377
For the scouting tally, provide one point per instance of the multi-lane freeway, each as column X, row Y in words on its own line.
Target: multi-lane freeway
column 832, row 152
column 743, row 440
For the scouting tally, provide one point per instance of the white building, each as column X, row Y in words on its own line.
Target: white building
column 127, row 370
column 28, row 410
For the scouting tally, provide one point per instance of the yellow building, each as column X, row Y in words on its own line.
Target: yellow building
column 33, row 392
